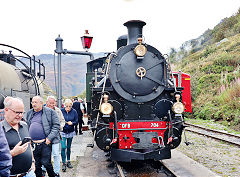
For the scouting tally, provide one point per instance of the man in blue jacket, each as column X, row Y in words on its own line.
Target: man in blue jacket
column 5, row 156
column 44, row 130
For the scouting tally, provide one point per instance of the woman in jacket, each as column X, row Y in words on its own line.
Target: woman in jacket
column 71, row 118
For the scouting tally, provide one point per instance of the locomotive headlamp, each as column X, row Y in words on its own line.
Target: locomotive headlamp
column 86, row 40
column 140, row 50
column 106, row 108
column 178, row 108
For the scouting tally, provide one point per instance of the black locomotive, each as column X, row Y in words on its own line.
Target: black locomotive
column 133, row 101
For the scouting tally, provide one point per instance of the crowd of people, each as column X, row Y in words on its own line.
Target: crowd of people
column 29, row 140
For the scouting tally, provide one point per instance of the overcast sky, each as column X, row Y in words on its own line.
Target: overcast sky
column 33, row 25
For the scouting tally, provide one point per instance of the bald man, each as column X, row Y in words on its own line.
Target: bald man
column 15, row 131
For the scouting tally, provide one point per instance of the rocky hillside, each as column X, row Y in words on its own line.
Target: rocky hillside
column 227, row 27
column 214, row 67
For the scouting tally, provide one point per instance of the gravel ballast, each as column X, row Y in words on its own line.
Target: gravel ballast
column 220, row 157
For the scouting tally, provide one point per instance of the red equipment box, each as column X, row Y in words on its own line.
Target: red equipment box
column 183, row 80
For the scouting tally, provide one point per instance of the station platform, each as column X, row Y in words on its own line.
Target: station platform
column 183, row 166
column 79, row 144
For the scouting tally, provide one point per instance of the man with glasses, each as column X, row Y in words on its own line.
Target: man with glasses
column 16, row 131
column 44, row 130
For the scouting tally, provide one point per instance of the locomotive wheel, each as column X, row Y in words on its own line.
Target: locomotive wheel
column 103, row 138
column 176, row 138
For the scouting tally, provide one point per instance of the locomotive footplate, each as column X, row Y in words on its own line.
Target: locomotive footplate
column 125, row 155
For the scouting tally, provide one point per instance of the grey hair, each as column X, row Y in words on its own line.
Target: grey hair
column 6, row 100
column 51, row 97
column 67, row 101
column 10, row 102
column 40, row 98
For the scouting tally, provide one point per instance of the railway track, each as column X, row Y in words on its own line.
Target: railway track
column 142, row 169
column 216, row 134
column 120, row 170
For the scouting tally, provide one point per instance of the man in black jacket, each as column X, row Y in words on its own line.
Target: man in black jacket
column 80, row 110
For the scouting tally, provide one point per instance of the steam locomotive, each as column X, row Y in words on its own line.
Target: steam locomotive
column 136, row 103
column 20, row 76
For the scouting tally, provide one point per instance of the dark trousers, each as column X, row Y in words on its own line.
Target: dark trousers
column 42, row 156
column 80, row 121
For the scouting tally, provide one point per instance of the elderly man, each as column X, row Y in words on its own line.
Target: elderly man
column 51, row 103
column 44, row 129
column 15, row 131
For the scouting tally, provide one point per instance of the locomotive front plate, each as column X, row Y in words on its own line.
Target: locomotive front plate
column 138, row 80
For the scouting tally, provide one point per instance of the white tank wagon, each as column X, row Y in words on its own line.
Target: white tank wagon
column 19, row 79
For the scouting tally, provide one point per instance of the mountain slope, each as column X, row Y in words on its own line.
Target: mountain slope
column 73, row 72
column 215, row 81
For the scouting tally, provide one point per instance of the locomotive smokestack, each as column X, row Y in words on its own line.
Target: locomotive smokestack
column 134, row 30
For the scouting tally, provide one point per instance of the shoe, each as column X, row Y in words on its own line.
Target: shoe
column 57, row 175
column 64, row 167
column 69, row 165
column 80, row 133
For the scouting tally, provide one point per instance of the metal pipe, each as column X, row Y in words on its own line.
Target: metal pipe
column 59, row 51
column 59, row 94
column 34, row 65
column 115, row 124
column 180, row 78
column 39, row 69
column 30, row 66
column 44, row 72
column 95, row 76
column 65, row 51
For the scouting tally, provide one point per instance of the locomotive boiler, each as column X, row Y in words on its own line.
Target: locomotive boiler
column 18, row 78
column 136, row 103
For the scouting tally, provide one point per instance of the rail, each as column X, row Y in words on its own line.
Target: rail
column 216, row 134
